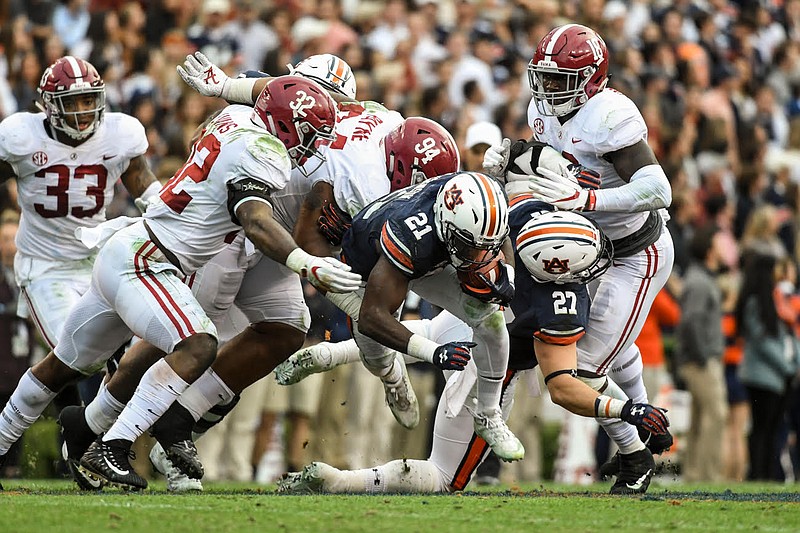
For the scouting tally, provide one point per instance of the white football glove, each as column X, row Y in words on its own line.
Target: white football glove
column 203, row 76
column 562, row 192
column 324, row 273
column 495, row 160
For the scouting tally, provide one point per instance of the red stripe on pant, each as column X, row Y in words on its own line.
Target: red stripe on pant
column 142, row 274
column 476, row 450
column 36, row 319
column 638, row 304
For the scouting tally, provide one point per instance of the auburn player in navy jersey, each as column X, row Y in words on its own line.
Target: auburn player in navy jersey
column 419, row 239
column 561, row 252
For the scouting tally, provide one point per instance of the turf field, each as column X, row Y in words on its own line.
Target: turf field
column 58, row 507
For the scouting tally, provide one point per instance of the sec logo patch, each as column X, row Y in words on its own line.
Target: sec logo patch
column 39, row 158
column 538, row 126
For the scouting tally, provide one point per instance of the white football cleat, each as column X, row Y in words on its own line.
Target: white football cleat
column 401, row 398
column 303, row 363
column 309, row 480
column 493, row 429
column 177, row 481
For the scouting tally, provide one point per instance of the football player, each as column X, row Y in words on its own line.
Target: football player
column 240, row 158
column 601, row 129
column 370, row 142
column 550, row 310
column 67, row 161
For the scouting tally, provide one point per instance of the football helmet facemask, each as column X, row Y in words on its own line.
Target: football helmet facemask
column 73, row 97
column 570, row 66
column 471, row 218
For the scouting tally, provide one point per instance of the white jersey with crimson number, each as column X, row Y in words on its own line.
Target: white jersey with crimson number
column 62, row 187
column 193, row 218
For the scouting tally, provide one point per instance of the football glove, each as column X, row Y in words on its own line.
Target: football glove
column 333, row 223
column 203, row 76
column 560, row 191
column 499, row 292
column 324, row 273
column 653, row 419
column 495, row 160
column 453, row 355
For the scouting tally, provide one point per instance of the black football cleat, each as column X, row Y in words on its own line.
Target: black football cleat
column 77, row 438
column 174, row 432
column 184, row 457
column 109, row 463
column 657, row 444
column 635, row 472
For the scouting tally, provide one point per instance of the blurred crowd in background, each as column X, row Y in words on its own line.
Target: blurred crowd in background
column 717, row 81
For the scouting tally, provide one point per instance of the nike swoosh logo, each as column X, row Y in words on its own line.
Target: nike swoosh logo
column 115, row 469
column 575, row 141
column 107, row 157
column 639, row 482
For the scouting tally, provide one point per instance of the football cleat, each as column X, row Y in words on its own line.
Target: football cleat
column 635, row 472
column 108, row 462
column 493, row 429
column 77, row 438
column 657, row 444
column 183, row 456
column 174, row 431
column 401, row 398
column 310, row 480
column 303, row 363
column 177, row 481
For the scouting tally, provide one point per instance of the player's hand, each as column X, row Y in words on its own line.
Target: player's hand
column 453, row 355
column 495, row 160
column 324, row 273
column 587, row 178
column 333, row 223
column 653, row 419
column 499, row 292
column 561, row 191
column 203, row 76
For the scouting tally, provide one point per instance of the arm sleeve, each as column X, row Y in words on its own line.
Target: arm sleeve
column 648, row 189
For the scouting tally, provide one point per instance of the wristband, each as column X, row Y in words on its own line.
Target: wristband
column 239, row 90
column 607, row 407
column 421, row 348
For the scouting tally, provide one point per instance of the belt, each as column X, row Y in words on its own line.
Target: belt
column 169, row 255
column 639, row 239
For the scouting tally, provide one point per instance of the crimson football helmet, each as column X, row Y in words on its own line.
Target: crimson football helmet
column 419, row 149
column 471, row 218
column 74, row 97
column 570, row 66
column 301, row 114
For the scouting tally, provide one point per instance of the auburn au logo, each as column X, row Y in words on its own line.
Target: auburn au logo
column 556, row 265
column 452, row 197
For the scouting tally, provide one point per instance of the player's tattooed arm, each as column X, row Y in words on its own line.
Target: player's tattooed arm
column 306, row 231
column 628, row 160
column 138, row 176
column 6, row 171
column 385, row 292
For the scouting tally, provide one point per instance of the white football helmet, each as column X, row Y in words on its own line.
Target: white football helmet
column 562, row 247
column 471, row 213
column 328, row 70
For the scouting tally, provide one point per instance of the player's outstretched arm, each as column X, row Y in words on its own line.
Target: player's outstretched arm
column 325, row 273
column 140, row 181
column 208, row 79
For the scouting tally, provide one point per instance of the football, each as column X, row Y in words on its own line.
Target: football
column 490, row 270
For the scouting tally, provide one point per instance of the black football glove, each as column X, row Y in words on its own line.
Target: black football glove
column 499, row 292
column 587, row 178
column 653, row 419
column 453, row 355
column 333, row 223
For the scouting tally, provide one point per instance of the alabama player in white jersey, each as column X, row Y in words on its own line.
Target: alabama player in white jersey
column 601, row 129
column 239, row 159
column 67, row 161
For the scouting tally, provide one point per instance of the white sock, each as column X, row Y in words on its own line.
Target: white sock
column 395, row 373
column 489, row 391
column 342, row 353
column 26, row 404
column 623, row 434
column 205, row 393
column 102, row 412
column 159, row 388
column 398, row 476
column 627, row 373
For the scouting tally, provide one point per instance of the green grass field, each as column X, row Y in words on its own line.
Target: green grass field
column 57, row 506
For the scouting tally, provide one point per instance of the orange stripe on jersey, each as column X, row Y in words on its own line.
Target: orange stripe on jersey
column 491, row 200
column 522, row 197
column 397, row 254
column 559, row 341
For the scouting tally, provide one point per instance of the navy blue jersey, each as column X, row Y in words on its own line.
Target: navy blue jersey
column 555, row 313
column 399, row 226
